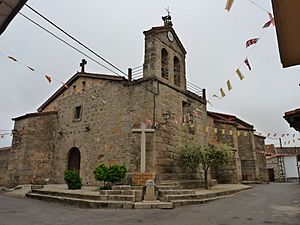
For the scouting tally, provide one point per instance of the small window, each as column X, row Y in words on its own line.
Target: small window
column 176, row 71
column 83, row 85
column 77, row 112
column 74, row 89
column 164, row 64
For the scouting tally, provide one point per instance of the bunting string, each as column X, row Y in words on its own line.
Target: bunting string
column 31, row 68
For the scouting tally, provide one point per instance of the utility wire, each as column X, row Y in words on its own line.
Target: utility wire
column 147, row 89
column 76, row 40
column 65, row 42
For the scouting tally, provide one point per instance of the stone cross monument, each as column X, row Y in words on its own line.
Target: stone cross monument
column 143, row 132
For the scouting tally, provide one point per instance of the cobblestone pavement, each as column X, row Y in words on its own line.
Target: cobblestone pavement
column 275, row 204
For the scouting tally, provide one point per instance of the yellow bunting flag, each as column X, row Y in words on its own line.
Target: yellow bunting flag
column 223, row 131
column 229, row 5
column 239, row 73
column 230, row 132
column 229, row 86
column 216, row 130
column 222, row 92
column 66, row 86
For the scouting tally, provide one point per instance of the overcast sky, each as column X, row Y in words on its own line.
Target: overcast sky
column 214, row 40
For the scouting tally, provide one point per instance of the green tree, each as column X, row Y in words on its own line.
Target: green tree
column 207, row 156
column 109, row 174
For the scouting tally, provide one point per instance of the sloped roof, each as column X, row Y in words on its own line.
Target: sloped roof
column 230, row 118
column 8, row 10
column 74, row 78
column 28, row 115
column 293, row 118
column 165, row 28
column 287, row 18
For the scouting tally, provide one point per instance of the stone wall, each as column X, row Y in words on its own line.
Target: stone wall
column 261, row 158
column 226, row 133
column 4, row 158
column 246, row 142
column 32, row 149
column 171, row 136
column 274, row 163
column 102, row 133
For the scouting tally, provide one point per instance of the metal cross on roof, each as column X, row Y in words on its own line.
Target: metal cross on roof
column 82, row 64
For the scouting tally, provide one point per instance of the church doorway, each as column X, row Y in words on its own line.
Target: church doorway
column 74, row 159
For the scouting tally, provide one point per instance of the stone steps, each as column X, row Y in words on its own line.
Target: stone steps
column 168, row 187
column 99, row 197
column 175, row 192
column 184, row 202
column 83, row 203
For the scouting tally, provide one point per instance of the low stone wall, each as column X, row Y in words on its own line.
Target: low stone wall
column 4, row 158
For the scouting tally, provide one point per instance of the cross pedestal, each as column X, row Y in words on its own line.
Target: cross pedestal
column 143, row 132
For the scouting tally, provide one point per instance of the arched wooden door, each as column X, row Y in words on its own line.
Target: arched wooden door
column 74, row 159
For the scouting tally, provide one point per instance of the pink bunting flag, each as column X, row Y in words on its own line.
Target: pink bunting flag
column 267, row 24
column 48, row 78
column 251, row 42
column 271, row 18
column 247, row 64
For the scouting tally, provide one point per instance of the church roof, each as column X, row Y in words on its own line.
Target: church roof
column 230, row 118
column 165, row 28
column 74, row 78
column 33, row 115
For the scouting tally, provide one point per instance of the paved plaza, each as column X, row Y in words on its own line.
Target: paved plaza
column 275, row 203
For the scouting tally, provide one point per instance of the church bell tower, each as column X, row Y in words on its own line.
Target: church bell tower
column 165, row 55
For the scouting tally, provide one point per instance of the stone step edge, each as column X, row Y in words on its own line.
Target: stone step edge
column 210, row 195
column 153, row 205
column 66, row 194
column 184, row 202
column 85, row 202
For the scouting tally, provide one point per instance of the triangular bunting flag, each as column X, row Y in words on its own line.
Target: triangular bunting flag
column 247, row 64
column 271, row 18
column 239, row 73
column 251, row 42
column 48, row 78
column 66, row 86
column 30, row 68
column 229, row 5
column 229, row 86
column 222, row 92
column 216, row 96
column 267, row 24
column 12, row 58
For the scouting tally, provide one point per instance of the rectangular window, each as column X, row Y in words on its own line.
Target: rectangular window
column 74, row 89
column 83, row 85
column 77, row 112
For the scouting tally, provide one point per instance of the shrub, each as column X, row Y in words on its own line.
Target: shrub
column 73, row 180
column 109, row 174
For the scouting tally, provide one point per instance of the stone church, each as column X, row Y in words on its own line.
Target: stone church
column 91, row 119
